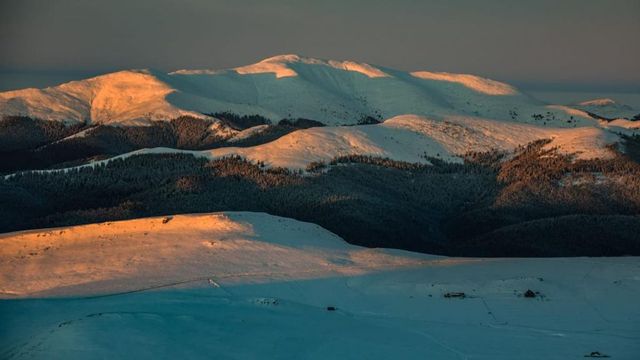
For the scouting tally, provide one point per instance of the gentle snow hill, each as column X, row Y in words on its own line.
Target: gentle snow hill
column 251, row 285
column 127, row 255
column 285, row 86
column 608, row 108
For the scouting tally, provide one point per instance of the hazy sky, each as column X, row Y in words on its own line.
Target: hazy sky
column 588, row 43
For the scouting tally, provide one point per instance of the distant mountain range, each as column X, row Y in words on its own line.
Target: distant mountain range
column 285, row 86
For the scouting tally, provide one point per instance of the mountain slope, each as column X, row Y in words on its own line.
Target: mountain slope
column 286, row 86
column 247, row 285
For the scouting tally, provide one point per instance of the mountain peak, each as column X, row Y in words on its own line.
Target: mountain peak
column 280, row 65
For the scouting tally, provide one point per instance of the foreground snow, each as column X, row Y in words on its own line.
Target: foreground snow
column 245, row 285
column 133, row 254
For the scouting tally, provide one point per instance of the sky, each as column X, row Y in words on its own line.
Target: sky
column 543, row 44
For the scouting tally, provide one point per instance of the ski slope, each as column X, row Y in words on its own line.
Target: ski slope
column 251, row 285
column 285, row 86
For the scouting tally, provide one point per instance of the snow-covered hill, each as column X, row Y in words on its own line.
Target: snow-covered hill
column 286, row 86
column 411, row 138
column 127, row 255
column 248, row 285
column 407, row 138
column 608, row 108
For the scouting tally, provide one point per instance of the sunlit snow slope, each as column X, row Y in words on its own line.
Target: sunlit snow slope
column 133, row 254
column 285, row 86
column 247, row 285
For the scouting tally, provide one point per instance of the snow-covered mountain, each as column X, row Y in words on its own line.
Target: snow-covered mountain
column 286, row 86
column 124, row 96
column 251, row 285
